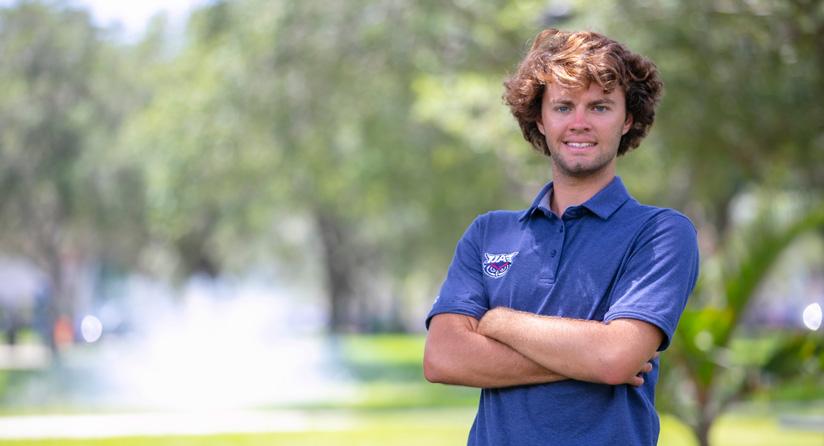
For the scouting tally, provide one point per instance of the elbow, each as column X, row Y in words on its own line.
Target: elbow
column 441, row 365
column 615, row 378
column 430, row 372
column 615, row 370
column 433, row 369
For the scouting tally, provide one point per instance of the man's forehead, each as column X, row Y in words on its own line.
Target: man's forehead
column 593, row 90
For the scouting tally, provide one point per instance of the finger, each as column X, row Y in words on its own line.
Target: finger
column 636, row 381
column 646, row 368
column 655, row 356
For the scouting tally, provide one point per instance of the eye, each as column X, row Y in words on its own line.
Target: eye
column 600, row 108
column 562, row 108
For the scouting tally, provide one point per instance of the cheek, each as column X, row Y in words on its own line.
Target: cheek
column 552, row 129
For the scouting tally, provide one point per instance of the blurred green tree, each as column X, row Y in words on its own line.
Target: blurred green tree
column 203, row 172
column 384, row 189
column 741, row 105
column 323, row 114
column 60, row 106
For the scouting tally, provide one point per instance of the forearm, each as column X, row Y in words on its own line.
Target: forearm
column 580, row 349
column 456, row 353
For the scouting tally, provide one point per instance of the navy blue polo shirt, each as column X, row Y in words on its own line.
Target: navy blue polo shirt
column 608, row 258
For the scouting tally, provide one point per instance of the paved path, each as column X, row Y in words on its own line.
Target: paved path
column 170, row 423
column 813, row 423
column 24, row 356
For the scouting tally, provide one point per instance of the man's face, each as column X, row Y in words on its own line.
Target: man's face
column 583, row 128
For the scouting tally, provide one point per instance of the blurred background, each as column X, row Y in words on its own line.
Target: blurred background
column 224, row 221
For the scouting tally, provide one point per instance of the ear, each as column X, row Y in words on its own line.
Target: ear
column 540, row 124
column 627, row 124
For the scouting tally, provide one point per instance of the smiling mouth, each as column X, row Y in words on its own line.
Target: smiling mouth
column 579, row 145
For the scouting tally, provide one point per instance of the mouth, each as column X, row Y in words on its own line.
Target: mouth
column 579, row 145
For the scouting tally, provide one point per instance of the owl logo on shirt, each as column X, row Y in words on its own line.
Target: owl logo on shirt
column 497, row 265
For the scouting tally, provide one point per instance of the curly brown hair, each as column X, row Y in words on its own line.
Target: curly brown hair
column 574, row 60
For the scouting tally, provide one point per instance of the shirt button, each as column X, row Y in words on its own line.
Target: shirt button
column 561, row 229
column 552, row 254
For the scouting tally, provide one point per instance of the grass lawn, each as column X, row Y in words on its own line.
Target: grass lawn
column 395, row 406
column 431, row 427
column 443, row 427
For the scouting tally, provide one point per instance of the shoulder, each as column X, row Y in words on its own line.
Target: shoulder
column 500, row 217
column 499, row 220
column 655, row 218
column 666, row 219
column 494, row 224
column 666, row 229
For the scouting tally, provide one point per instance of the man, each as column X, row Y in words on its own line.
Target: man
column 557, row 312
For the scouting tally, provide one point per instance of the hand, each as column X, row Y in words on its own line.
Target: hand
column 637, row 380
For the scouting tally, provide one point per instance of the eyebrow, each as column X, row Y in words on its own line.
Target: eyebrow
column 602, row 101
column 591, row 103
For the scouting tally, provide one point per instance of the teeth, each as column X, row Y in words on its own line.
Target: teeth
column 580, row 144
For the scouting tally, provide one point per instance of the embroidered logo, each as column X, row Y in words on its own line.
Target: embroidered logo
column 497, row 265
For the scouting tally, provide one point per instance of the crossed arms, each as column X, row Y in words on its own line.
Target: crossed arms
column 507, row 348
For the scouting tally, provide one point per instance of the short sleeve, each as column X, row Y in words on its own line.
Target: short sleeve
column 463, row 290
column 658, row 275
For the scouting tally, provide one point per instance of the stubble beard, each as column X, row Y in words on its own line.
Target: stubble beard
column 577, row 169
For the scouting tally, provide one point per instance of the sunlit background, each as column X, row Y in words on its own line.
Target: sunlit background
column 225, row 221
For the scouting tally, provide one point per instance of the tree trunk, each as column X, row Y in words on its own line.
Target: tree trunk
column 340, row 266
column 58, row 300
column 702, row 430
column 194, row 251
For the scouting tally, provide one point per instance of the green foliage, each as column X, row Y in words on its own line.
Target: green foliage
column 741, row 86
column 328, row 116
column 798, row 355
column 61, row 104
column 49, row 108
column 704, row 355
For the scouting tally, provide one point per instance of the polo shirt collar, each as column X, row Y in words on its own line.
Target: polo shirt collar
column 538, row 202
column 603, row 204
column 608, row 199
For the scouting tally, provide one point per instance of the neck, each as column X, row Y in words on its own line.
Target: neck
column 571, row 191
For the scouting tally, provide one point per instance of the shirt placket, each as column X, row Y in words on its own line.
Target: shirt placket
column 551, row 248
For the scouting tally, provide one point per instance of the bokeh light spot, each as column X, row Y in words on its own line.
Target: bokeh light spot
column 812, row 316
column 91, row 328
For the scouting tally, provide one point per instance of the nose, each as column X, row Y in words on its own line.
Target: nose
column 580, row 121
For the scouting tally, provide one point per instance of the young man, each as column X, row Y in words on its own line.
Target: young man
column 558, row 312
